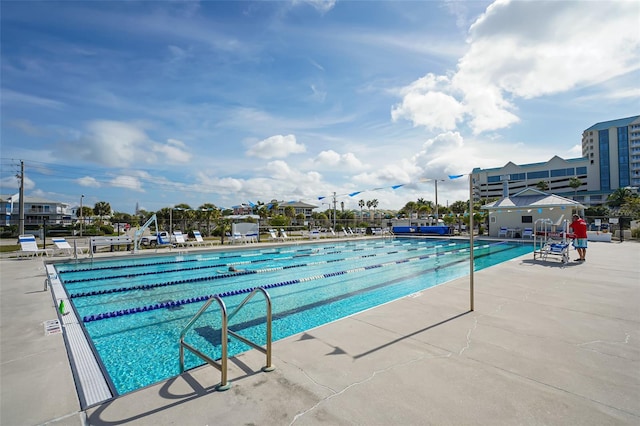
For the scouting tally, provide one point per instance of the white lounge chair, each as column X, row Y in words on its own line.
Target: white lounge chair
column 237, row 237
column 273, row 235
column 314, row 234
column 63, row 247
column 251, row 237
column 29, row 247
column 503, row 232
column 527, row 233
column 180, row 240
column 199, row 240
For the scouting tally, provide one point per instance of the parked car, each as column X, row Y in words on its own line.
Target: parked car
column 152, row 240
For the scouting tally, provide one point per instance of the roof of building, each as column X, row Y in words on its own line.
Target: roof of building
column 7, row 198
column 621, row 122
column 530, row 197
column 530, row 165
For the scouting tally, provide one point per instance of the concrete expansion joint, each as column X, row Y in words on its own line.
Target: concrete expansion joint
column 336, row 393
column 586, row 345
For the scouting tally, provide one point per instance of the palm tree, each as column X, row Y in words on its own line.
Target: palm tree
column 542, row 185
column 361, row 204
column 374, row 204
column 575, row 183
column 369, row 207
column 101, row 209
column 619, row 197
column 208, row 211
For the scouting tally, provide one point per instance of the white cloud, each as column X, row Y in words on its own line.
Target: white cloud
column 322, row 6
column 332, row 159
column 174, row 151
column 120, row 144
column 88, row 181
column 523, row 50
column 276, row 147
column 127, row 182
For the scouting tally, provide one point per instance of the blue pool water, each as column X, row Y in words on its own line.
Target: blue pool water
column 134, row 309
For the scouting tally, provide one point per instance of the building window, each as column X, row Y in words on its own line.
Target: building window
column 605, row 178
column 538, row 175
column 623, row 157
column 582, row 170
column 527, row 219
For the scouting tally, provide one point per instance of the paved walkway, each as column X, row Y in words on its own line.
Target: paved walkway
column 545, row 345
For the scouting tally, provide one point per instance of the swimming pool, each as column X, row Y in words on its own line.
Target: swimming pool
column 133, row 309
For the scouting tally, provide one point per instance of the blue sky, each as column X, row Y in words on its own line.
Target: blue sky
column 168, row 102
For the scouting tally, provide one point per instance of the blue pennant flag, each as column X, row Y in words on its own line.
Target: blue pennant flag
column 354, row 193
column 321, row 198
column 397, row 186
column 455, row 176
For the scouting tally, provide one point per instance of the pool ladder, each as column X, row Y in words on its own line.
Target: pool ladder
column 221, row 365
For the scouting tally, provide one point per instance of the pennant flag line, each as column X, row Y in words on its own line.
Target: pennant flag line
column 394, row 187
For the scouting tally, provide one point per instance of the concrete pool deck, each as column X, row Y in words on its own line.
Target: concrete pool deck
column 546, row 344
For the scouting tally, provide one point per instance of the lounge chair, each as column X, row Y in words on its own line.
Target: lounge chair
column 199, row 240
column 63, row 247
column 237, row 237
column 314, row 234
column 251, row 237
column 503, row 232
column 179, row 238
column 29, row 247
column 527, row 233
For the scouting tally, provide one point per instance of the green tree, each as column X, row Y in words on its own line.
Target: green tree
column 208, row 212
column 289, row 212
column 631, row 208
column 618, row 197
column 102, row 209
column 542, row 185
column 361, row 205
column 575, row 183
column 374, row 204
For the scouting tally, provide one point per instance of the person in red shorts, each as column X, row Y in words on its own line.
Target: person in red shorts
column 579, row 227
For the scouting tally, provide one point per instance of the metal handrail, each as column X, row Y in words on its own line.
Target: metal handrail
column 267, row 350
column 222, row 365
column 224, row 329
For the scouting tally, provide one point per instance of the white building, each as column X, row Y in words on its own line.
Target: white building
column 613, row 150
column 513, row 178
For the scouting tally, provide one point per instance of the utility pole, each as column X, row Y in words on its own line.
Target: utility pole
column 21, row 201
column 334, row 211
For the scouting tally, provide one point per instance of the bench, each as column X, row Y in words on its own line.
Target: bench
column 111, row 242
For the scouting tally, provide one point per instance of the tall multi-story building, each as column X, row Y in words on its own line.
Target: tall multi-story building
column 611, row 160
column 556, row 174
column 613, row 149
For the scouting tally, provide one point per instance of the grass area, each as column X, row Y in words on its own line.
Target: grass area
column 9, row 248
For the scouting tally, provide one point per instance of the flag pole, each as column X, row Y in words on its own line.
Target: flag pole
column 471, row 290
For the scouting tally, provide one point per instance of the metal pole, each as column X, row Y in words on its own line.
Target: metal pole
column 436, row 181
column 334, row 211
column 81, row 215
column 471, row 290
column 21, row 201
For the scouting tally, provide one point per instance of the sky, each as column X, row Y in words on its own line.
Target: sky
column 160, row 103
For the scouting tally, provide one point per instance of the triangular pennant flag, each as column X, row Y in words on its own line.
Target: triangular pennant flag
column 455, row 176
column 397, row 186
column 354, row 193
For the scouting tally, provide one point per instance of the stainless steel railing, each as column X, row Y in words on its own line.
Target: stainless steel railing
column 221, row 365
